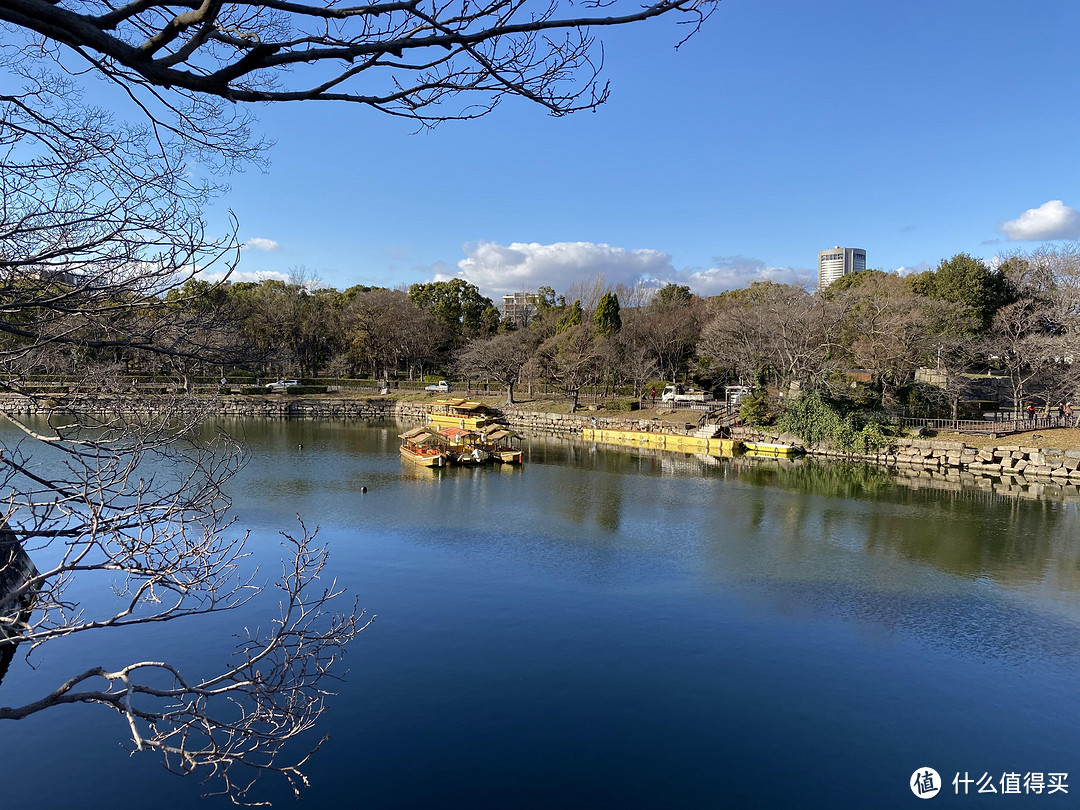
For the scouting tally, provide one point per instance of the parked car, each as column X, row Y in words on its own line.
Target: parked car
column 441, row 387
column 280, row 384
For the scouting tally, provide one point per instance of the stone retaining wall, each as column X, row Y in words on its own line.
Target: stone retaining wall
column 1005, row 460
column 571, row 424
column 284, row 406
column 236, row 406
column 927, row 454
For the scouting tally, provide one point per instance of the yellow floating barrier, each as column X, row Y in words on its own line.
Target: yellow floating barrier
column 676, row 442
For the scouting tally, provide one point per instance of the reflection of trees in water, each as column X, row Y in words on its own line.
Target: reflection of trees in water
column 1014, row 539
column 1015, row 534
column 812, row 477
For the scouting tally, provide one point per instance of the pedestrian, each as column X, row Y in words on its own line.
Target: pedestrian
column 652, row 393
column 1061, row 411
column 1068, row 413
column 1031, row 412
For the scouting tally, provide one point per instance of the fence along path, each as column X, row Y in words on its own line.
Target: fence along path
column 997, row 426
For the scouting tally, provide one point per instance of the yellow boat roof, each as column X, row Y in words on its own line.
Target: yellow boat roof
column 416, row 431
column 462, row 404
column 501, row 433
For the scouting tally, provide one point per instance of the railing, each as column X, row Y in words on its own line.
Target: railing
column 724, row 415
column 1011, row 424
column 648, row 401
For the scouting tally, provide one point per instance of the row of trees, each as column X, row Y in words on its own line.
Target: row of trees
column 1021, row 318
column 300, row 328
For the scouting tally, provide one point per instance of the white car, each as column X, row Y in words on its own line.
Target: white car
column 277, row 386
column 441, row 387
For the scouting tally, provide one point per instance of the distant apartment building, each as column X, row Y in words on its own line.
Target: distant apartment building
column 519, row 308
column 836, row 262
column 55, row 276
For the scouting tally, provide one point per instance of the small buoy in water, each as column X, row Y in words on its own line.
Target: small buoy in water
column 363, row 489
column 299, row 447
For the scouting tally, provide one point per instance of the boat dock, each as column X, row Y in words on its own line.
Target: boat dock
column 677, row 442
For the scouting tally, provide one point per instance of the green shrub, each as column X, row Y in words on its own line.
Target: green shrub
column 623, row 405
column 754, row 410
column 818, row 421
column 301, row 390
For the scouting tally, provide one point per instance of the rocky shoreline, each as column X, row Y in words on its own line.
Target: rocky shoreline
column 1006, row 460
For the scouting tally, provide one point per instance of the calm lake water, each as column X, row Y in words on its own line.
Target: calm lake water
column 604, row 629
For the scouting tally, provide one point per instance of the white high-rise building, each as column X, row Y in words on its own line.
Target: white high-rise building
column 836, row 262
column 519, row 308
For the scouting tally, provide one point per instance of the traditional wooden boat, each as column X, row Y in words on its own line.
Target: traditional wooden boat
column 464, row 447
column 424, row 446
column 503, row 444
column 773, row 450
column 459, row 413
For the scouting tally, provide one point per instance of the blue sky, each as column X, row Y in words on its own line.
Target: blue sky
column 915, row 130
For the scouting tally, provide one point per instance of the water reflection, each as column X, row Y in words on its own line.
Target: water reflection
column 1019, row 534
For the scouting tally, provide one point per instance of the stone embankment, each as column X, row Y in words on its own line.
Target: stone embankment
column 919, row 454
column 571, row 424
column 232, row 406
column 927, row 454
column 284, row 406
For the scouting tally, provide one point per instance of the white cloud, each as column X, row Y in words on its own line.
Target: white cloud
column 245, row 275
column 1051, row 220
column 503, row 269
column 736, row 272
column 258, row 243
column 500, row 270
column 907, row 270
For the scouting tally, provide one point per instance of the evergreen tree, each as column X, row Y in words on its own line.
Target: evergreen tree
column 606, row 318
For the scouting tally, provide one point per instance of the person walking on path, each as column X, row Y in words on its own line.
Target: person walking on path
column 1031, row 413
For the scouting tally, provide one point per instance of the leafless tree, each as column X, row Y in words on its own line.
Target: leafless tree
column 635, row 295
column 768, row 327
column 638, row 366
column 500, row 358
column 422, row 59
column 667, row 331
column 1037, row 337
column 380, row 326
column 588, row 292
column 570, row 360
column 100, row 240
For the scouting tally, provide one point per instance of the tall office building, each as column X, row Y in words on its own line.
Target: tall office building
column 836, row 262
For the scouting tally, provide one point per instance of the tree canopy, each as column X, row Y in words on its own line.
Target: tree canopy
column 966, row 280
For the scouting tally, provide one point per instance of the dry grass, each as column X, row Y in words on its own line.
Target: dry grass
column 1061, row 438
